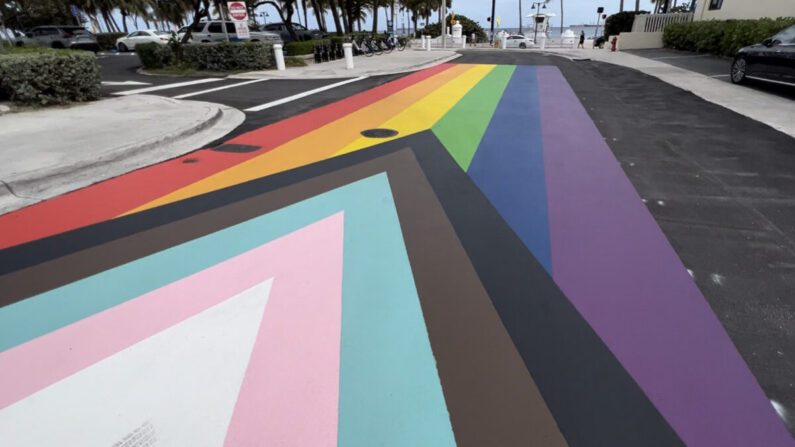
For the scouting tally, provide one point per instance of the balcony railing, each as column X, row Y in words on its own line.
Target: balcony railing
column 655, row 23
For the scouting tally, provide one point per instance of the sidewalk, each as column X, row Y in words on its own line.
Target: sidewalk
column 48, row 152
column 392, row 63
column 775, row 111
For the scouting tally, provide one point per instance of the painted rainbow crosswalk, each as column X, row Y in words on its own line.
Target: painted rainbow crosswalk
column 488, row 276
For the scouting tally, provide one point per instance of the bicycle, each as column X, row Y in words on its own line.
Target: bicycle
column 374, row 45
column 361, row 48
column 386, row 45
column 395, row 42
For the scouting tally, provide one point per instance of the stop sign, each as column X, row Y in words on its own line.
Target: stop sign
column 238, row 11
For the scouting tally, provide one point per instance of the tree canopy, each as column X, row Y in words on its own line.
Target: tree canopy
column 347, row 15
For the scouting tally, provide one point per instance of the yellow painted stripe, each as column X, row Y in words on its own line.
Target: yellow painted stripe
column 423, row 114
column 317, row 145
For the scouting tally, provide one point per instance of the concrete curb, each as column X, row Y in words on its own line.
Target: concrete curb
column 342, row 74
column 22, row 189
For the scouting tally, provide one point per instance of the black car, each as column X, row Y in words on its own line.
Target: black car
column 301, row 32
column 773, row 60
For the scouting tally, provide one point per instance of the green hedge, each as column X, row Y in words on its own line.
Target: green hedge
column 154, row 55
column 621, row 22
column 229, row 56
column 49, row 76
column 722, row 37
column 107, row 41
column 299, row 48
column 208, row 57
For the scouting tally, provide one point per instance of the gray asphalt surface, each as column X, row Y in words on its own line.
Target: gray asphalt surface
column 721, row 186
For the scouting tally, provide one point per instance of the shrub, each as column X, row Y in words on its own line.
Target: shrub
column 154, row 55
column 722, row 37
column 293, row 61
column 299, row 48
column 107, row 41
column 229, row 56
column 621, row 22
column 46, row 76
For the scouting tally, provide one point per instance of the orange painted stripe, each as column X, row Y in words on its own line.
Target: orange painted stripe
column 108, row 199
column 317, row 145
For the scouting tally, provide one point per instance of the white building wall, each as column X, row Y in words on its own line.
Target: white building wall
column 745, row 9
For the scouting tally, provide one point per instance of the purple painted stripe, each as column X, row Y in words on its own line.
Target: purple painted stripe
column 616, row 266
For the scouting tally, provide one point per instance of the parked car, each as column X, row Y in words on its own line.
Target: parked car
column 212, row 31
column 300, row 31
column 56, row 36
column 518, row 41
column 129, row 41
column 773, row 60
column 14, row 37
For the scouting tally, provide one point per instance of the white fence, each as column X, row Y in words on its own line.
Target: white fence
column 655, row 23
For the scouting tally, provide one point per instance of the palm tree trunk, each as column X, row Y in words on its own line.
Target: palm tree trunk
column 318, row 15
column 336, row 15
column 375, row 18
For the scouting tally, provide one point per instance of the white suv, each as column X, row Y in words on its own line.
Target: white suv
column 212, row 31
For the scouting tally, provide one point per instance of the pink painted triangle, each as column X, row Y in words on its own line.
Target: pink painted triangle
column 291, row 388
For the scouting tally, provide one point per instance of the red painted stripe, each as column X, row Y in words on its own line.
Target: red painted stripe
column 113, row 197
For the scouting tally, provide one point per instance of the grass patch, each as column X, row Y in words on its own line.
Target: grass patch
column 293, row 61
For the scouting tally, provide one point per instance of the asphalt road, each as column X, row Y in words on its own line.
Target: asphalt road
column 719, row 185
column 124, row 68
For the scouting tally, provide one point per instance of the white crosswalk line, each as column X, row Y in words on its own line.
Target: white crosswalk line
column 125, row 83
column 302, row 95
column 167, row 86
column 201, row 92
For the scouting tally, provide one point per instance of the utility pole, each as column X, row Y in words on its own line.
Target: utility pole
column 492, row 21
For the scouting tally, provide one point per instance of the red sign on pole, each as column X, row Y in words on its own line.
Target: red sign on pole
column 238, row 11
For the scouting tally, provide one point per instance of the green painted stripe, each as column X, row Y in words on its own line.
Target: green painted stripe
column 462, row 128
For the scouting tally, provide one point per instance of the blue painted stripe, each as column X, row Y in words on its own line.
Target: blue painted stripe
column 509, row 164
column 390, row 393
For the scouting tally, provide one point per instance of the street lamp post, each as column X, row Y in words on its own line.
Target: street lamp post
column 538, row 7
column 492, row 21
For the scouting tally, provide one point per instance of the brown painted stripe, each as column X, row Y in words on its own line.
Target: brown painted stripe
column 492, row 399
column 490, row 395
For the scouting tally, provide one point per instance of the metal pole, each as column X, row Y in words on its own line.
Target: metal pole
column 444, row 23
column 492, row 22
column 596, row 32
column 535, row 22
column 520, row 18
column 223, row 22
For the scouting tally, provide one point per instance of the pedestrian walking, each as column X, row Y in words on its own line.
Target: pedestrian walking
column 473, row 39
column 582, row 40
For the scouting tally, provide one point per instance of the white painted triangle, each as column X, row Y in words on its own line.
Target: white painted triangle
column 176, row 388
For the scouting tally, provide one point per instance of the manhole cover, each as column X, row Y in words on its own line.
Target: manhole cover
column 237, row 148
column 190, row 160
column 379, row 133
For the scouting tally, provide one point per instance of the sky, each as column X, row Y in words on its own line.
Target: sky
column 576, row 11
